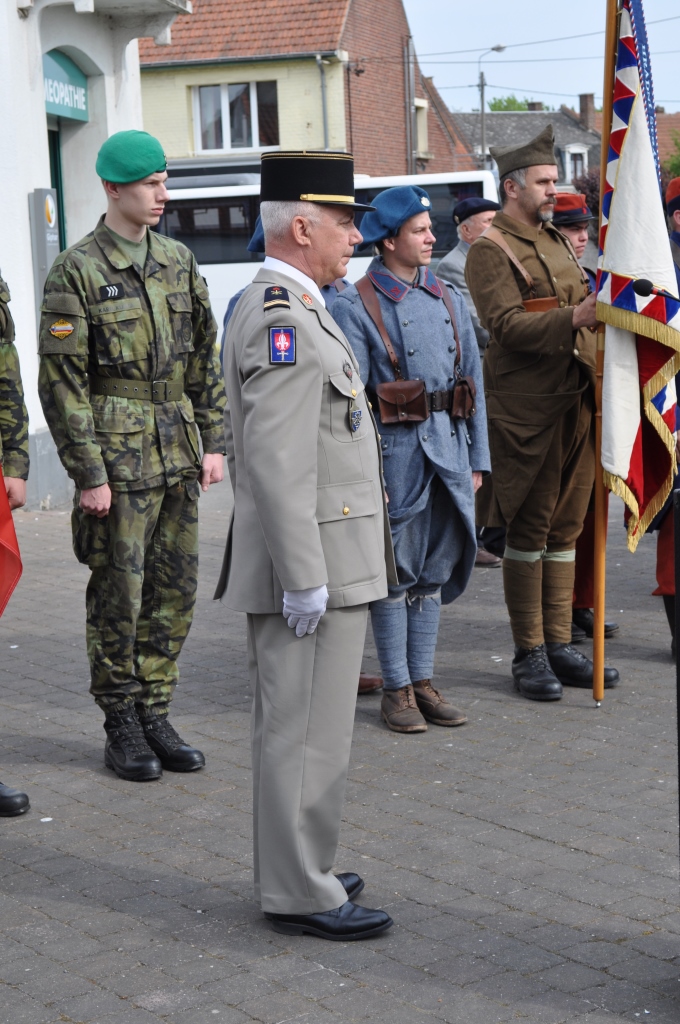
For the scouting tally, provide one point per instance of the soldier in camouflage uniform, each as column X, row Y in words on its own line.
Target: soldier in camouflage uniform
column 14, row 461
column 132, row 388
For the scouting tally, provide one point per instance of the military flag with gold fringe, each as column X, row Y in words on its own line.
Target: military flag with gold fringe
column 642, row 346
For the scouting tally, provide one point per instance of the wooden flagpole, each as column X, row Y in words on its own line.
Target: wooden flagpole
column 601, row 496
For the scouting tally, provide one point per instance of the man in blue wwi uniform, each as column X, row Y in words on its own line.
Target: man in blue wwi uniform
column 432, row 466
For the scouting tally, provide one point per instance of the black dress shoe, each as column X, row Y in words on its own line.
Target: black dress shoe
column 126, row 752
column 573, row 668
column 12, row 802
column 347, row 923
column 533, row 675
column 584, row 618
column 175, row 755
column 578, row 635
column 352, row 883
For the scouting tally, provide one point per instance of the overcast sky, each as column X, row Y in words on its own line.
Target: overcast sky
column 570, row 66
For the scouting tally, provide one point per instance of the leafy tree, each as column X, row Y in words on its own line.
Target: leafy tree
column 500, row 103
column 672, row 165
column 508, row 103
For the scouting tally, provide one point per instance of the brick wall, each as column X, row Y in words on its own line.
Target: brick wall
column 375, row 100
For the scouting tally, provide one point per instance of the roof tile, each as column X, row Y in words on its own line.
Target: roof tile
column 223, row 29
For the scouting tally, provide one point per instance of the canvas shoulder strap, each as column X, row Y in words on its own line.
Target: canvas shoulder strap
column 370, row 300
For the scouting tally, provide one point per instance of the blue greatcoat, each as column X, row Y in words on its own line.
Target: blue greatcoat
column 415, row 454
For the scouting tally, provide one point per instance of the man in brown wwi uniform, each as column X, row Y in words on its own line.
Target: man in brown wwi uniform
column 539, row 373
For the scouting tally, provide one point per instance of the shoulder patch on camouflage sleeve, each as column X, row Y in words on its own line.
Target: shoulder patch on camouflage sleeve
column 276, row 297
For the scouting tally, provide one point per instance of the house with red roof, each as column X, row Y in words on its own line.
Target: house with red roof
column 236, row 79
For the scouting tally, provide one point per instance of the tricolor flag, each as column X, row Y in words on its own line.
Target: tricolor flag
column 642, row 342
column 10, row 558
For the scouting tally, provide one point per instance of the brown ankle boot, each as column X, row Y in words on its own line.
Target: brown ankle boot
column 400, row 711
column 433, row 706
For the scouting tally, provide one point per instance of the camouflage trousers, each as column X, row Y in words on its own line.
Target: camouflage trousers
column 141, row 594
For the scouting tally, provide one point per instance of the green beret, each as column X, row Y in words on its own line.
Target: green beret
column 130, row 156
column 540, row 150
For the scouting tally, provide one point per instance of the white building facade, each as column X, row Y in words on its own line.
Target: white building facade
column 69, row 78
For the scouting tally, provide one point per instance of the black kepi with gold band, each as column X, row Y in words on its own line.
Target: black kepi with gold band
column 312, row 177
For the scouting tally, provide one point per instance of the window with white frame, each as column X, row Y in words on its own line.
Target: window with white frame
column 576, row 161
column 238, row 115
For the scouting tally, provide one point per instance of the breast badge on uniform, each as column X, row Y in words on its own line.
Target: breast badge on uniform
column 61, row 329
column 281, row 345
column 276, row 297
column 354, row 419
column 111, row 291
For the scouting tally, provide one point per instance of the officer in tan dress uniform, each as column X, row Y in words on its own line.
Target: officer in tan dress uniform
column 539, row 372
column 308, row 544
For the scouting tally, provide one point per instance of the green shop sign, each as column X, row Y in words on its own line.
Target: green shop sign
column 65, row 87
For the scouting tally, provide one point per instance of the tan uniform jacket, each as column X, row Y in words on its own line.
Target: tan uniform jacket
column 308, row 498
column 535, row 365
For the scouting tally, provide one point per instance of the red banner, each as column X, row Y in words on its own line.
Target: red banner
column 10, row 556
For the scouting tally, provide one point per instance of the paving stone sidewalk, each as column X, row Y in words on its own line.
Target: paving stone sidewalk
column 529, row 859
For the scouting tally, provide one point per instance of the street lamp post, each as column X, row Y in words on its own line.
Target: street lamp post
column 482, row 83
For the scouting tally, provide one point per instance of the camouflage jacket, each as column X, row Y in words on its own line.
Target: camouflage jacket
column 13, row 415
column 105, row 316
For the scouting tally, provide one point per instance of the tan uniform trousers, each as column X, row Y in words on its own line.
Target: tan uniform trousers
column 305, row 692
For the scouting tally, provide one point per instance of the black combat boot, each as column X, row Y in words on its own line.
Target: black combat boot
column 533, row 675
column 573, row 668
column 175, row 755
column 126, row 752
column 12, row 802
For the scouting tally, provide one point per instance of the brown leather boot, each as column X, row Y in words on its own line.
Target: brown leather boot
column 369, row 684
column 433, row 706
column 400, row 711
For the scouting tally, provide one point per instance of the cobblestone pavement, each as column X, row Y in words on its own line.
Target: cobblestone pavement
column 529, row 859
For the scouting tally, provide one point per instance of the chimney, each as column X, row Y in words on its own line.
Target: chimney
column 535, row 105
column 659, row 110
column 587, row 110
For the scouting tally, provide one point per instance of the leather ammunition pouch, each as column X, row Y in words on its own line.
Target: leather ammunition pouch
column 407, row 401
column 403, row 401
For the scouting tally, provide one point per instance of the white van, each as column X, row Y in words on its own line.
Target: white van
column 216, row 222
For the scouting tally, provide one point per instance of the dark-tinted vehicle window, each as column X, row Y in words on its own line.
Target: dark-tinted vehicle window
column 216, row 230
column 444, row 198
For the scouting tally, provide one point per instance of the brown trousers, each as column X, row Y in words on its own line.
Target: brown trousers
column 539, row 594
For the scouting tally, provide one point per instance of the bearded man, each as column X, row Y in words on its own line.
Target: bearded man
column 539, row 375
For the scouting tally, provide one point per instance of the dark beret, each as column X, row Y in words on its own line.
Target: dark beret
column 469, row 207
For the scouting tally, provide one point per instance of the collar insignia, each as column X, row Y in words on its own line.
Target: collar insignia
column 389, row 285
column 308, row 299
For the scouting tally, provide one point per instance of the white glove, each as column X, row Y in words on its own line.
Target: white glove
column 303, row 608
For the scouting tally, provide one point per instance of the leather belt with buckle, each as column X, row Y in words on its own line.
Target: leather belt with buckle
column 439, row 401
column 142, row 390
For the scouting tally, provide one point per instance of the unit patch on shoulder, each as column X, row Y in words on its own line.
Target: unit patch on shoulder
column 61, row 329
column 281, row 345
column 111, row 291
column 276, row 297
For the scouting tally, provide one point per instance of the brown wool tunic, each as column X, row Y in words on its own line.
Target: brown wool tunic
column 536, row 367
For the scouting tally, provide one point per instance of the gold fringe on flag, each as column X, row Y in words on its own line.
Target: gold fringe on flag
column 637, row 323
